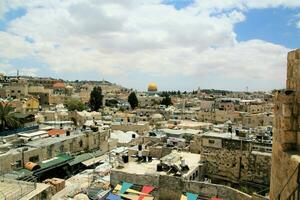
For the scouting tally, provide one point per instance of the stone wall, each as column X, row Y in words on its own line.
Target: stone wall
column 286, row 139
column 73, row 144
column 117, row 177
column 170, row 187
column 236, row 162
column 138, row 128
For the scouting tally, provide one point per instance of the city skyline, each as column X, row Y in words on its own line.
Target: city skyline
column 177, row 44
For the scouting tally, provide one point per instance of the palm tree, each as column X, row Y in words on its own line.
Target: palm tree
column 7, row 118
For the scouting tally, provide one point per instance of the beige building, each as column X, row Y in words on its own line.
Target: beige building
column 17, row 89
column 42, row 149
column 171, row 185
column 234, row 159
column 139, row 127
column 149, row 100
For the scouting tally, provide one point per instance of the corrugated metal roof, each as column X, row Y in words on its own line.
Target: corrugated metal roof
column 85, row 156
column 55, row 161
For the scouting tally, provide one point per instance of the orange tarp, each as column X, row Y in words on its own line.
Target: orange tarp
column 56, row 132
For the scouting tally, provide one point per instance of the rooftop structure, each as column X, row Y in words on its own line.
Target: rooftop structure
column 174, row 159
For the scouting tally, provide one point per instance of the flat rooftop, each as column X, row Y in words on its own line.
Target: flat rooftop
column 51, row 140
column 231, row 136
column 144, row 168
column 12, row 189
column 180, row 131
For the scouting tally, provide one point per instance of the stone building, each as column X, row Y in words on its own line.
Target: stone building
column 170, row 185
column 234, row 159
column 139, row 127
column 286, row 139
column 17, row 89
column 12, row 158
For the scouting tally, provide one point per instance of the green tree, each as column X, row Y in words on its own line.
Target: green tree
column 96, row 99
column 166, row 100
column 74, row 104
column 7, row 118
column 132, row 100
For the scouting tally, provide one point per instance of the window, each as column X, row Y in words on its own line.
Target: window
column 18, row 164
column 211, row 141
column 34, row 159
column 49, row 151
column 80, row 143
column 12, row 91
column 44, row 195
column 61, row 148
column 19, row 91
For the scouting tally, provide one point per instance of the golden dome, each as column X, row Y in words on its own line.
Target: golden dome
column 152, row 87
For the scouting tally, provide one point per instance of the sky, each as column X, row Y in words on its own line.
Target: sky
column 178, row 44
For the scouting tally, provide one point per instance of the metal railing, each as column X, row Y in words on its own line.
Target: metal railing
column 16, row 189
column 295, row 193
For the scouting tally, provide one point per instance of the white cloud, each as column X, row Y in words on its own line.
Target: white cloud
column 12, row 46
column 116, row 36
column 12, row 70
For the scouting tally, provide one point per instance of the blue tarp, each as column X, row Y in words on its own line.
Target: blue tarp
column 125, row 186
column 191, row 196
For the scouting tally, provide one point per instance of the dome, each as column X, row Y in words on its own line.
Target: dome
column 69, row 87
column 152, row 87
column 81, row 197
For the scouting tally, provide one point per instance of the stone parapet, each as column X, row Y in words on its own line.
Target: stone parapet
column 286, row 120
column 293, row 70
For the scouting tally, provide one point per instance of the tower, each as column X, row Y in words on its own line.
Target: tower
column 285, row 172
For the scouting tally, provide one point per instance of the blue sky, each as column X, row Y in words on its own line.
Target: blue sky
column 168, row 43
column 272, row 25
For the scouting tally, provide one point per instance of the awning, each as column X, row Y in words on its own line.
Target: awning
column 92, row 161
column 85, row 157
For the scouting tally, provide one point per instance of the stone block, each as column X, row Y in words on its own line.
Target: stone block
column 291, row 56
column 286, row 123
column 287, row 110
column 287, row 147
column 288, row 137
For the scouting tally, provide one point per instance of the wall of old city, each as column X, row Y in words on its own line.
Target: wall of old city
column 286, row 140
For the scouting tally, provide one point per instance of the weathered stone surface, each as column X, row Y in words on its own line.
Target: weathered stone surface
column 286, row 137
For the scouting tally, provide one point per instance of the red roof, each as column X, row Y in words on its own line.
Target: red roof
column 56, row 132
column 59, row 85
